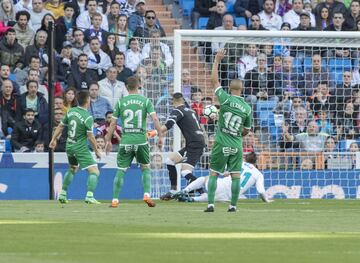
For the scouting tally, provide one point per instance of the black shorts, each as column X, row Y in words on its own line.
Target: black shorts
column 192, row 154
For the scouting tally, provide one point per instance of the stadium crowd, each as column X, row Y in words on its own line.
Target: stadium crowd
column 303, row 98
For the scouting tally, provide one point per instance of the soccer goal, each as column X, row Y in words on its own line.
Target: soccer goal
column 304, row 89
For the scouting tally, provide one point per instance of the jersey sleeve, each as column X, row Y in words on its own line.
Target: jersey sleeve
column 65, row 120
column 149, row 107
column 89, row 124
column 175, row 116
column 222, row 95
column 117, row 110
column 248, row 121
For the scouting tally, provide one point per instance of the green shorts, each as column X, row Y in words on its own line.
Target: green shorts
column 127, row 152
column 224, row 157
column 82, row 157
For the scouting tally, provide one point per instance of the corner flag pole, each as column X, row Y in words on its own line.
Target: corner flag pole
column 51, row 104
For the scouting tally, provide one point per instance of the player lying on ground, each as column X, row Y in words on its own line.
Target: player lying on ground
column 235, row 120
column 188, row 156
column 133, row 111
column 80, row 129
column 250, row 176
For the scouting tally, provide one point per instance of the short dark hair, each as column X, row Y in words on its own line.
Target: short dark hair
column 177, row 95
column 34, row 57
column 82, row 97
column 250, row 157
column 31, row 81
column 75, row 30
column 69, row 5
column 108, row 112
column 10, row 30
column 22, row 13
column 28, row 110
column 150, row 11
column 82, row 55
column 93, row 38
column 132, row 39
column 120, row 53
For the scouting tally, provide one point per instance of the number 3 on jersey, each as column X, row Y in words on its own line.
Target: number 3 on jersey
column 72, row 130
column 129, row 116
column 232, row 122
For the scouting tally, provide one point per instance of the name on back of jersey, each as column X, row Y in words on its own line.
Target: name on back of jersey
column 134, row 101
column 76, row 114
column 238, row 106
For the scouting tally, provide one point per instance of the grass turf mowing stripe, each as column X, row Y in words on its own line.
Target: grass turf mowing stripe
column 247, row 235
column 25, row 222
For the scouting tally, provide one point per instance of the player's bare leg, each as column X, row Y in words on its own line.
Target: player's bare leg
column 69, row 176
column 91, row 184
column 146, row 179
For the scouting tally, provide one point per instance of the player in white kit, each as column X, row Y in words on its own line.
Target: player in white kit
column 250, row 176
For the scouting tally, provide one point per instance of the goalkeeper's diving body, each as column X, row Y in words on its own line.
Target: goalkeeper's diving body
column 250, row 176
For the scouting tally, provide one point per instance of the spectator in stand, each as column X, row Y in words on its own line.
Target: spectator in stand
column 110, row 48
column 136, row 19
column 98, row 59
column 23, row 5
column 95, row 30
column 322, row 99
column 196, row 103
column 337, row 23
column 122, row 32
column 346, row 123
column 323, row 20
column 7, row 12
column 269, row 19
column 83, row 21
column 290, row 80
column 293, row 16
column 103, row 130
column 259, row 83
column 79, row 44
column 248, row 8
column 316, row 75
column 8, row 106
column 216, row 17
column 22, row 75
column 80, row 76
column 333, row 6
column 68, row 21
column 100, row 143
column 133, row 55
column 305, row 23
column 343, row 93
column 79, row 6
column 4, row 75
column 324, row 123
column 24, row 33
column 289, row 105
column 202, row 8
column 248, row 61
column 310, row 141
column 64, row 62
column 227, row 24
column 329, row 150
column 155, row 43
column 39, row 48
column 26, row 132
column 33, row 99
column 354, row 149
column 282, row 7
column 60, row 31
column 61, row 144
column 291, row 129
column 187, row 87
column 56, row 84
column 113, row 15
column 56, row 7
column 39, row 147
column 127, row 7
column 122, row 72
column 150, row 24
column 256, row 23
column 37, row 13
column 307, row 164
column 98, row 105
column 111, row 88
column 59, row 102
column 69, row 98
column 11, row 52
column 34, row 75
column 353, row 15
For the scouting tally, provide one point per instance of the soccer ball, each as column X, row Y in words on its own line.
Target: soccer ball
column 210, row 111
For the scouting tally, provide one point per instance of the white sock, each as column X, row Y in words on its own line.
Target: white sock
column 211, row 205
column 147, row 195
column 115, row 200
column 198, row 183
column 232, row 206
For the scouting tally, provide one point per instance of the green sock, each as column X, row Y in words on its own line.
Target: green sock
column 92, row 182
column 235, row 190
column 146, row 179
column 69, row 176
column 212, row 184
column 118, row 183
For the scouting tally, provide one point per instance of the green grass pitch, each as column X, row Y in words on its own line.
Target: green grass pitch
column 283, row 231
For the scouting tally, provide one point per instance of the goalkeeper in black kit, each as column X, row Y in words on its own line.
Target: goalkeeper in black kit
column 188, row 156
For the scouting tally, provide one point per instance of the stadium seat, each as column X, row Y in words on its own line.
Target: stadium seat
column 240, row 21
column 187, row 6
column 338, row 76
column 230, row 7
column 7, row 146
column 308, row 64
column 340, row 64
column 203, row 22
column 264, row 113
column 297, row 65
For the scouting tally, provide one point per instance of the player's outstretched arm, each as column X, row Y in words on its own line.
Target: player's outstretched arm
column 158, row 128
column 56, row 135
column 93, row 144
column 109, row 135
column 215, row 68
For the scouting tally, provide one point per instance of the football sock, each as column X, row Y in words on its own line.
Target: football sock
column 92, row 182
column 190, row 177
column 235, row 190
column 146, row 179
column 118, row 183
column 69, row 176
column 172, row 176
column 212, row 184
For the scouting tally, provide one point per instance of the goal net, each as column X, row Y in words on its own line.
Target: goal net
column 304, row 89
